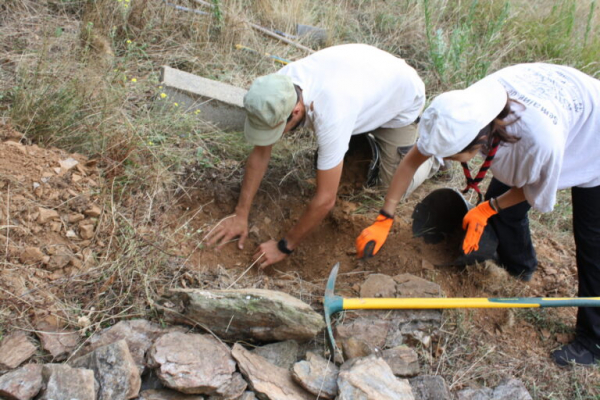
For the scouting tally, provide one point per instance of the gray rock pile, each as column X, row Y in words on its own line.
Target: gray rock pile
column 138, row 359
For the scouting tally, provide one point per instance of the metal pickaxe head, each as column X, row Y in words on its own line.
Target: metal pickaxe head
column 332, row 304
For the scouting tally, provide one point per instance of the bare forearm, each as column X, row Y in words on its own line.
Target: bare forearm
column 256, row 167
column 316, row 211
column 402, row 179
column 513, row 197
column 327, row 185
column 398, row 187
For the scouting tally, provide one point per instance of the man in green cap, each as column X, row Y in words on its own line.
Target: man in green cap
column 336, row 92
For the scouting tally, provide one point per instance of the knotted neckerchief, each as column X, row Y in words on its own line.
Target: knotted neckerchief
column 473, row 183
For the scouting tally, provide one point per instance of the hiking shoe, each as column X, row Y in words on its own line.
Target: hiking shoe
column 524, row 276
column 574, row 352
column 443, row 174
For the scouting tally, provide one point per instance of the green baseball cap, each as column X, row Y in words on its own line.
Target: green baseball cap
column 268, row 104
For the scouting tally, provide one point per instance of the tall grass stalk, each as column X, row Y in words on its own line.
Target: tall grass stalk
column 588, row 25
column 77, row 92
column 462, row 53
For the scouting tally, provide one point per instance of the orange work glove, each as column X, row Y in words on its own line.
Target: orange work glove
column 474, row 223
column 372, row 238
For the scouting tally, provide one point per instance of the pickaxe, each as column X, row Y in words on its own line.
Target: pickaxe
column 334, row 304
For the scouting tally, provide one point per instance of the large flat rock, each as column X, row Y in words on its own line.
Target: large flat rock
column 263, row 315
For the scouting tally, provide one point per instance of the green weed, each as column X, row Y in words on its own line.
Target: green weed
column 89, row 84
column 544, row 319
column 53, row 112
column 218, row 19
column 463, row 52
column 560, row 220
column 565, row 34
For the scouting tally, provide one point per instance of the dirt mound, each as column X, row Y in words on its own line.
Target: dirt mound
column 510, row 332
column 49, row 213
column 53, row 230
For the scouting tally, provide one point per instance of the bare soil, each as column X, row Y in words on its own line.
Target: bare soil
column 275, row 211
column 50, row 231
column 48, row 216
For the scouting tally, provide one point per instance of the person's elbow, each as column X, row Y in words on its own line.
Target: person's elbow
column 325, row 202
column 330, row 203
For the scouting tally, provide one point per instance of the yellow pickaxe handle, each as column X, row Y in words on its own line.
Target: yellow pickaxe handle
column 467, row 302
column 333, row 304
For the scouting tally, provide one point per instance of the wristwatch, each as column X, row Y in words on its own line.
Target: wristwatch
column 282, row 245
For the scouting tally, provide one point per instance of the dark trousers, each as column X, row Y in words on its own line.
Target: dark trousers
column 517, row 255
column 515, row 249
column 586, row 228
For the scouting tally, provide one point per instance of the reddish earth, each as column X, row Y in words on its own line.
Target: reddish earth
column 48, row 215
column 51, row 213
column 304, row 274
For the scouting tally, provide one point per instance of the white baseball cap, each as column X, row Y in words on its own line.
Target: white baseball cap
column 453, row 119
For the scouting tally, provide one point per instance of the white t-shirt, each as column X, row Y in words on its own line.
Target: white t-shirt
column 559, row 129
column 351, row 89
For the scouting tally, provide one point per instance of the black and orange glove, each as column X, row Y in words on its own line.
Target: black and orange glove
column 474, row 223
column 372, row 238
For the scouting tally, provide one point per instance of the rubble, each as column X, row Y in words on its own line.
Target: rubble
column 370, row 378
column 317, row 375
column 21, row 384
column 60, row 381
column 195, row 364
column 430, row 387
column 138, row 333
column 190, row 366
column 403, row 361
column 58, row 342
column 15, row 349
column 266, row 379
column 114, row 369
column 282, row 354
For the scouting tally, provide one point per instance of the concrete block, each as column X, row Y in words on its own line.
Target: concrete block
column 219, row 103
column 315, row 35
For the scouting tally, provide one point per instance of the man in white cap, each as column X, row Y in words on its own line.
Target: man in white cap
column 337, row 92
column 539, row 126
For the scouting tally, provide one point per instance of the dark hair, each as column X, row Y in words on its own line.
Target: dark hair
column 298, row 99
column 497, row 128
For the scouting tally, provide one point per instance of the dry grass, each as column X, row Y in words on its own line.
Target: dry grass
column 67, row 71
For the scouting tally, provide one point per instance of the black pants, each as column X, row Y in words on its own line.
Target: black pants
column 515, row 249
column 517, row 255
